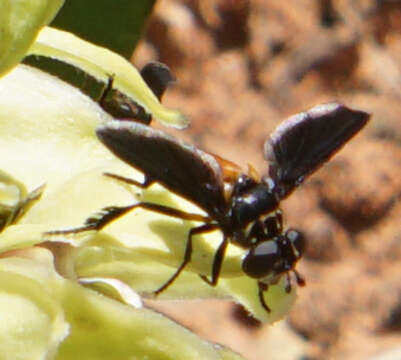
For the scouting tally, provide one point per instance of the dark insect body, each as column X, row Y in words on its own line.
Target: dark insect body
column 244, row 207
column 155, row 74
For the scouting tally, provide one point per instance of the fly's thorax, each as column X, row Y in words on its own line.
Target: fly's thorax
column 251, row 202
column 254, row 212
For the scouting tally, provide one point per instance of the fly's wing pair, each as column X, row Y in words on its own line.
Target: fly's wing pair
column 182, row 168
column 299, row 146
column 304, row 142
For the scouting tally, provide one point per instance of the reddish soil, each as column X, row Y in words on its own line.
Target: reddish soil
column 243, row 66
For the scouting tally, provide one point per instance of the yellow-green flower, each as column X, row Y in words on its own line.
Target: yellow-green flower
column 66, row 295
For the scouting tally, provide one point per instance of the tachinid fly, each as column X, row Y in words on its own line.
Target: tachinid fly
column 158, row 78
column 244, row 207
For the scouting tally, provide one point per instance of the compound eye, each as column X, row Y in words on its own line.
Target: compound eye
column 297, row 239
column 262, row 260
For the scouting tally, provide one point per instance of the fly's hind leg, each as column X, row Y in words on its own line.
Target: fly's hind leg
column 108, row 214
column 111, row 213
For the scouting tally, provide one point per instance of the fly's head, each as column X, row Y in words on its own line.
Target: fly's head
column 269, row 260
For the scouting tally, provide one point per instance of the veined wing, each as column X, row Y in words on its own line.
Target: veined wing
column 304, row 142
column 182, row 168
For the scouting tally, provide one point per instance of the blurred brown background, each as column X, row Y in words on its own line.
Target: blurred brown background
column 242, row 67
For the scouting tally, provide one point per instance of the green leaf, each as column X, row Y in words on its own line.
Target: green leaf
column 116, row 25
column 20, row 22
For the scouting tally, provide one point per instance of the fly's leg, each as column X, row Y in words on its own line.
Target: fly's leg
column 143, row 185
column 217, row 263
column 287, row 285
column 108, row 214
column 106, row 91
column 111, row 213
column 262, row 288
column 188, row 252
column 300, row 280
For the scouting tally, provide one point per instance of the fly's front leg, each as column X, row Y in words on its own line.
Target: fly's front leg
column 262, row 288
column 217, row 263
column 187, row 254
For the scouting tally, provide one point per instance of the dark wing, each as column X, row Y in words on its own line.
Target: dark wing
column 304, row 142
column 182, row 168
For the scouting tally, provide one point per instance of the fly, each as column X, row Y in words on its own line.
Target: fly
column 158, row 78
column 243, row 206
